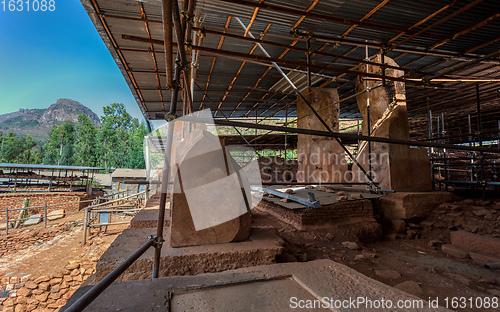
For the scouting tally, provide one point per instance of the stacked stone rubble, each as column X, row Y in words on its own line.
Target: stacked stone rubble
column 43, row 293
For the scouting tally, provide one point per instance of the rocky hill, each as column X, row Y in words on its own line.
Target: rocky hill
column 38, row 122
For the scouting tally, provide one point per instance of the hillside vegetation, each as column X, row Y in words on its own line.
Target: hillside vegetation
column 114, row 143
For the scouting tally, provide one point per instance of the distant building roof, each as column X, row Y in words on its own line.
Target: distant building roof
column 129, row 173
column 103, row 179
column 48, row 167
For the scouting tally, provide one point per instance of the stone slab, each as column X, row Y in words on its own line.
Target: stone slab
column 148, row 218
column 260, row 288
column 483, row 259
column 33, row 219
column 3, row 226
column 476, row 242
column 208, row 202
column 262, row 247
column 392, row 164
column 324, row 198
column 455, row 251
column 408, row 205
column 56, row 214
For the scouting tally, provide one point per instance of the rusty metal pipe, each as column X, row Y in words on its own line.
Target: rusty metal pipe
column 492, row 266
column 181, row 52
column 163, row 197
column 96, row 290
column 168, row 39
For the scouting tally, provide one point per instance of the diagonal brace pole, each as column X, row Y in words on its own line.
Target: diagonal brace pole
column 278, row 68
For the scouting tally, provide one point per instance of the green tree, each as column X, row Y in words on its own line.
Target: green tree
column 120, row 139
column 28, row 146
column 12, row 148
column 86, row 146
column 136, row 147
column 59, row 147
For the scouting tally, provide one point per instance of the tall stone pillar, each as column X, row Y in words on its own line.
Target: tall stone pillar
column 320, row 159
column 209, row 201
column 396, row 167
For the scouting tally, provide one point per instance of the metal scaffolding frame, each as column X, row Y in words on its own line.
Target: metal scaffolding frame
column 194, row 50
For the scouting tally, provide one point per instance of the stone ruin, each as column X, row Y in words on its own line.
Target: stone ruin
column 392, row 164
column 320, row 159
column 199, row 216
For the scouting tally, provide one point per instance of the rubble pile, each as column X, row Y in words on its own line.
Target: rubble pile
column 43, row 293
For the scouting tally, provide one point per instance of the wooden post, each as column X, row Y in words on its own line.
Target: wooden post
column 85, row 221
column 45, row 214
column 7, row 221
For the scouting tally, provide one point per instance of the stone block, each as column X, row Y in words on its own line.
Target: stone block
column 394, row 225
column 408, row 205
column 42, row 297
column 483, row 259
column 148, row 218
column 43, row 278
column 33, row 219
column 476, row 242
column 31, row 285
column 56, row 214
column 262, row 248
column 199, row 216
column 410, row 287
column 262, row 288
column 388, row 274
column 455, row 251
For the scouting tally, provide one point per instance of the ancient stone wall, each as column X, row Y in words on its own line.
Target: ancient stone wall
column 16, row 200
column 333, row 213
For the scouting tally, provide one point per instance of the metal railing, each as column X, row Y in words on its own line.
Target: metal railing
column 99, row 200
column 467, row 171
column 45, row 207
column 92, row 212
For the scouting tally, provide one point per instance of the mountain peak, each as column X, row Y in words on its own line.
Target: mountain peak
column 67, row 109
column 38, row 122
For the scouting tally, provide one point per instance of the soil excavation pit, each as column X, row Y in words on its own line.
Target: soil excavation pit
column 261, row 288
column 262, row 247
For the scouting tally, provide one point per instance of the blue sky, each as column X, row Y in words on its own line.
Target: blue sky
column 45, row 56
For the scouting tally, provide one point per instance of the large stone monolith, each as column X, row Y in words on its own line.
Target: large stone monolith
column 320, row 159
column 209, row 203
column 395, row 167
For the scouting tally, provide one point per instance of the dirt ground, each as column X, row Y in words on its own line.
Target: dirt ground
column 36, row 252
column 50, row 256
column 414, row 257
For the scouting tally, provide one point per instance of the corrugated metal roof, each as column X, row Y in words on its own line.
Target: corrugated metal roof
column 128, row 173
column 49, row 167
column 459, row 26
